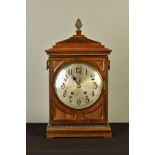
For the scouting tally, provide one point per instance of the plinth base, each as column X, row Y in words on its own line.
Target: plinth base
column 53, row 131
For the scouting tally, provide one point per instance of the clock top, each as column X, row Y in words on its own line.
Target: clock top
column 78, row 44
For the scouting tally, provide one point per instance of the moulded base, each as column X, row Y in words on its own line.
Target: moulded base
column 53, row 131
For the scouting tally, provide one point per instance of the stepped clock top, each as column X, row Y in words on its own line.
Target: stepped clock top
column 78, row 43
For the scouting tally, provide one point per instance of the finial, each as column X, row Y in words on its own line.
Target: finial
column 78, row 24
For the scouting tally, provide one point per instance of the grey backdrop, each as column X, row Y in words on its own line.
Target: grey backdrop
column 49, row 21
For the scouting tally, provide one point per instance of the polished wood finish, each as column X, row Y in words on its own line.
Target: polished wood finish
column 78, row 45
column 78, row 131
column 98, row 111
column 78, row 49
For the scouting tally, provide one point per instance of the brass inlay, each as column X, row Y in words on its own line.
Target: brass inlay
column 101, row 64
column 56, row 64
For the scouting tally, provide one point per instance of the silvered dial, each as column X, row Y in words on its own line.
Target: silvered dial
column 78, row 85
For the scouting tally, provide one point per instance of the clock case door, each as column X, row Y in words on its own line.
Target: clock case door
column 95, row 114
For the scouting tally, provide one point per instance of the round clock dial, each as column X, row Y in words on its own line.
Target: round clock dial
column 78, row 85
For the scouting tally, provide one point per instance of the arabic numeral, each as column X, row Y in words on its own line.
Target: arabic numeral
column 93, row 76
column 70, row 72
column 86, row 71
column 93, row 93
column 70, row 99
column 66, row 77
column 62, row 85
column 65, row 93
column 78, row 70
column 95, row 85
column 87, row 99
column 79, row 101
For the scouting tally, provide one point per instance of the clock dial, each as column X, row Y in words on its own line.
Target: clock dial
column 78, row 85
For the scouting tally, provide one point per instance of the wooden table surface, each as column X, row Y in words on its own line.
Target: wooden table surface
column 38, row 144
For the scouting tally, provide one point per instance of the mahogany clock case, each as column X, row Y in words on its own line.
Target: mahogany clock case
column 68, row 122
column 95, row 114
column 88, row 122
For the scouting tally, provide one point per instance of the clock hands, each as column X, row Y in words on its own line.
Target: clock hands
column 74, row 78
column 79, row 85
column 77, row 82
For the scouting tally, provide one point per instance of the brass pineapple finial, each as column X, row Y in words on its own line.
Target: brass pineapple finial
column 78, row 24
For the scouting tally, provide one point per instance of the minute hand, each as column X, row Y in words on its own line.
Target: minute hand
column 79, row 81
column 78, row 84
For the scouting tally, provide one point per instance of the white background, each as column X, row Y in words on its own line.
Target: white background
column 50, row 21
column 13, row 82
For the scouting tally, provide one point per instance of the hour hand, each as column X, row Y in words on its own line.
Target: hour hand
column 74, row 78
column 77, row 82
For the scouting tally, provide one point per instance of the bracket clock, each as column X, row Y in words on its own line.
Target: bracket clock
column 78, row 88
